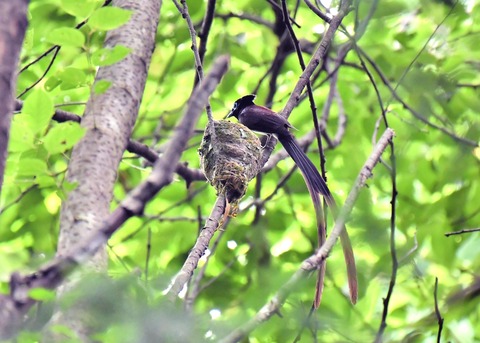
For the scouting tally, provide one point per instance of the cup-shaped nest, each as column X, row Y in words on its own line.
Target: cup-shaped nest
column 230, row 159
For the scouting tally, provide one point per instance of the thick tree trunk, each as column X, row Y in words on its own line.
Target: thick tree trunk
column 109, row 119
column 13, row 24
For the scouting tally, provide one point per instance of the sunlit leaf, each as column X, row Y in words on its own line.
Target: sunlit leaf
column 52, row 83
column 107, row 56
column 38, row 106
column 71, row 78
column 22, row 135
column 66, row 36
column 101, row 86
column 63, row 137
column 31, row 166
column 109, row 18
column 42, row 294
column 80, row 9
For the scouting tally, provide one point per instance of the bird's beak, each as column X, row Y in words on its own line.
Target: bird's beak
column 230, row 114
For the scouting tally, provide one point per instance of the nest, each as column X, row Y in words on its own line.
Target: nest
column 230, row 160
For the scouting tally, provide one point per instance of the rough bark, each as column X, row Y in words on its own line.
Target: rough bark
column 109, row 119
column 13, row 24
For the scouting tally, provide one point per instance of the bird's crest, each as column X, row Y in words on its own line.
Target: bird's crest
column 240, row 104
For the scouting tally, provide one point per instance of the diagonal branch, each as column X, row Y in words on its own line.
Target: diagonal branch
column 304, row 79
column 199, row 248
column 414, row 112
column 205, row 31
column 15, row 305
column 312, row 263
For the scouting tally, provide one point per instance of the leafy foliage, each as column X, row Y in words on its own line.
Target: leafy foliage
column 427, row 52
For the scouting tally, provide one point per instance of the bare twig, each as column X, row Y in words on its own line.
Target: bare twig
column 133, row 146
column 18, row 198
column 205, row 30
column 317, row 11
column 311, row 99
column 277, row 7
column 183, row 9
column 333, row 94
column 412, row 62
column 194, row 288
column 147, row 258
column 360, row 27
column 461, row 232
column 437, row 312
column 468, row 85
column 211, row 225
column 317, row 57
column 246, row 16
column 56, row 50
column 414, row 112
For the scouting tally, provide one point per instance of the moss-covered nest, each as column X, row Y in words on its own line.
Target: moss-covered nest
column 230, row 160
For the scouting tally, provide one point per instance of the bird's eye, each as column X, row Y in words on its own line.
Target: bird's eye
column 234, row 106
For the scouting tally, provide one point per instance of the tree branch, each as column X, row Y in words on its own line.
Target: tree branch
column 205, row 31
column 437, row 312
column 13, row 24
column 317, row 57
column 15, row 305
column 201, row 244
column 312, row 263
column 188, row 174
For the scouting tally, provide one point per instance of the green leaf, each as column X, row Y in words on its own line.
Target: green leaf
column 109, row 56
column 195, row 8
column 66, row 36
column 31, row 166
column 182, row 60
column 63, row 137
column 77, row 8
column 39, row 108
column 109, row 18
column 44, row 181
column 101, row 86
column 41, row 294
column 72, row 78
column 52, row 83
column 22, row 137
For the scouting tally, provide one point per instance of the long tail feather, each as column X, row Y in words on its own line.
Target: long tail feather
column 322, row 237
column 316, row 185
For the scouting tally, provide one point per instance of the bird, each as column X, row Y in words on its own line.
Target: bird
column 263, row 119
